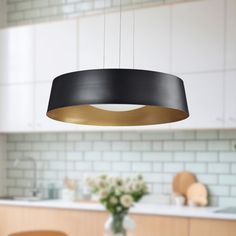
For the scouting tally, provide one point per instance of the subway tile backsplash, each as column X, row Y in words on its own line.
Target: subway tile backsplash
column 158, row 155
column 31, row 11
column 2, row 164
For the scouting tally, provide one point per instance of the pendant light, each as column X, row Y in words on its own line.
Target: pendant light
column 117, row 97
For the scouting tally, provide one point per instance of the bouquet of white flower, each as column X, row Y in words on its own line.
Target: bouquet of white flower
column 118, row 195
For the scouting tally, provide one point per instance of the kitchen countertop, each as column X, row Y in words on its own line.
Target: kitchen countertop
column 147, row 209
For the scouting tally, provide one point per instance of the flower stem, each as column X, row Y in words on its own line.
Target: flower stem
column 117, row 225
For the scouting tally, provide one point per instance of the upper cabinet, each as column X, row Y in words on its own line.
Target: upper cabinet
column 198, row 36
column 91, row 37
column 127, row 50
column 16, row 107
column 230, row 98
column 55, row 49
column 205, row 96
column 194, row 40
column 230, row 34
column 17, row 55
column 152, row 39
column 111, row 50
column 104, row 42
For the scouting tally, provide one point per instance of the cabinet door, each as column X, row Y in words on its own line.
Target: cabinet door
column 198, row 36
column 42, row 122
column 112, row 23
column 91, row 42
column 72, row 223
column 212, row 227
column 16, row 108
column 56, row 49
column 230, row 98
column 160, row 226
column 231, row 34
column 17, row 55
column 118, row 49
column 205, row 100
column 152, row 39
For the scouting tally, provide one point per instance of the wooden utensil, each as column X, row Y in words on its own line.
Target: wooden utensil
column 198, row 201
column 182, row 181
column 197, row 194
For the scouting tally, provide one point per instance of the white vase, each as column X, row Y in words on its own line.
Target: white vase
column 119, row 225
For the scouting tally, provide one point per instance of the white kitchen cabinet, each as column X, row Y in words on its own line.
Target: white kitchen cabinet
column 112, row 24
column 183, row 39
column 230, row 98
column 137, row 48
column 118, row 49
column 17, row 55
column 55, row 49
column 152, row 39
column 127, row 42
column 205, row 96
column 198, row 36
column 91, row 41
column 16, row 107
column 230, row 55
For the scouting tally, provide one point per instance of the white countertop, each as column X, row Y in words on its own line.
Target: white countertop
column 147, row 209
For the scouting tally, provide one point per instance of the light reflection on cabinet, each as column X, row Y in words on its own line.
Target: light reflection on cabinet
column 17, row 55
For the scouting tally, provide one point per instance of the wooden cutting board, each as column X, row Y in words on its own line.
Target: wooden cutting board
column 197, row 194
column 182, row 181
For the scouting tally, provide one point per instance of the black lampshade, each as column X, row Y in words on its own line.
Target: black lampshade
column 162, row 95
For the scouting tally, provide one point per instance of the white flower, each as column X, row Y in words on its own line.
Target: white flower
column 116, row 193
column 103, row 193
column 128, row 188
column 117, row 182
column 113, row 200
column 126, row 201
column 101, row 183
column 137, row 186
